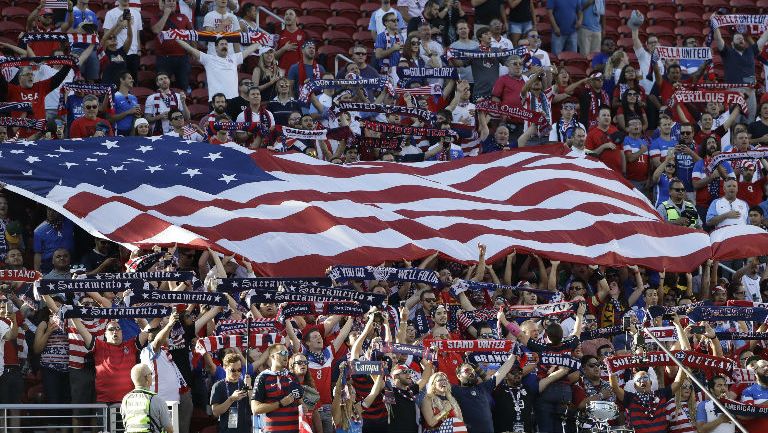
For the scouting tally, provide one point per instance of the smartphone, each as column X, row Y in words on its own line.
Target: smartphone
column 89, row 28
column 626, row 322
column 126, row 14
column 667, row 316
column 697, row 329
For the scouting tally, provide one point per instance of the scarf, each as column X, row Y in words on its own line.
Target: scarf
column 368, row 368
column 703, row 96
column 143, row 263
column 543, row 309
column 149, row 276
column 730, row 156
column 244, row 326
column 711, row 86
column 566, row 130
column 23, row 122
column 420, row 73
column 428, row 90
column 386, row 143
column 303, row 134
column 489, row 358
column 413, row 275
column 422, row 114
column 459, row 346
column 72, row 38
column 560, row 360
column 48, row 287
column 606, row 332
column 403, row 349
column 389, row 128
column 115, row 312
column 745, row 409
column 684, row 53
column 351, row 309
column 460, row 286
column 596, row 99
column 737, row 335
column 245, row 38
column 254, row 128
column 88, row 89
column 719, row 314
column 23, row 275
column 174, row 297
column 265, row 123
column 455, row 53
column 238, row 284
column 517, row 113
column 367, row 83
column 733, row 20
column 592, row 389
column 316, row 294
column 663, row 333
column 215, row 343
column 9, row 107
column 743, row 375
column 680, row 310
column 694, row 360
column 18, row 62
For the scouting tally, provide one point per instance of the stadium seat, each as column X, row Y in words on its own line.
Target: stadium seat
column 364, row 37
column 694, row 6
column 197, row 111
column 686, row 18
column 745, row 7
column 662, row 5
column 340, row 39
column 146, row 78
column 657, row 17
column 369, row 8
column 713, row 5
column 10, row 30
column 142, row 93
column 199, row 96
column 573, row 59
column 14, row 12
column 147, row 62
column 362, row 23
column 763, row 5
column 311, row 22
column 341, row 23
column 316, row 9
column 280, row 6
column 346, row 10
column 330, row 51
column 686, row 31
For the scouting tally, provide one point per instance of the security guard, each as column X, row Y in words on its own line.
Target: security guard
column 677, row 210
column 142, row 410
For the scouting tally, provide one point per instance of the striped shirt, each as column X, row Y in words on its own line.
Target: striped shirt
column 650, row 418
column 54, row 355
column 679, row 420
column 363, row 386
column 271, row 387
column 77, row 351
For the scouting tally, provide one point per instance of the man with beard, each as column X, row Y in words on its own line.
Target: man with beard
column 757, row 394
column 513, row 411
column 646, row 409
column 277, row 393
column 219, row 104
column 709, row 418
column 591, row 387
column 474, row 397
column 403, row 412
column 709, row 183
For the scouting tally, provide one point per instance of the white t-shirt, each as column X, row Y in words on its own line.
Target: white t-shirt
column 752, row 287
column 722, row 206
column 4, row 329
column 256, row 118
column 644, row 60
column 113, row 17
column 156, row 104
column 45, row 72
column 415, row 7
column 462, row 111
column 221, row 73
column 212, row 20
column 166, row 378
column 577, row 153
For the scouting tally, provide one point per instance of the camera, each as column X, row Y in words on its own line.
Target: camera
column 697, row 329
column 126, row 15
column 690, row 214
column 245, row 387
column 402, row 304
column 89, row 27
column 667, row 316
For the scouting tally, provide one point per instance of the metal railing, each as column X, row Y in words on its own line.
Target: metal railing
column 336, row 62
column 43, row 417
column 261, row 9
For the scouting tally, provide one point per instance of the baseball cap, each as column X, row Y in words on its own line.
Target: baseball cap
column 717, row 289
column 596, row 74
column 308, row 42
column 400, row 368
column 265, row 49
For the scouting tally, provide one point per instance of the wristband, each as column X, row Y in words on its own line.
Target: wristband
column 513, row 328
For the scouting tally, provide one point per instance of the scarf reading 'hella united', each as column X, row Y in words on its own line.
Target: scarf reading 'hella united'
column 517, row 113
column 420, row 113
column 717, row 21
column 413, row 275
column 684, row 53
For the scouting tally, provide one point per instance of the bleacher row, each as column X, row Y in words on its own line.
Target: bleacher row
column 338, row 25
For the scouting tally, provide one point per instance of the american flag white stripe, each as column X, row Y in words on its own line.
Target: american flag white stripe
column 738, row 241
column 56, row 4
column 313, row 214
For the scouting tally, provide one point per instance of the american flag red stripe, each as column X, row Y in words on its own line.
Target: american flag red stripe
column 56, row 4
column 311, row 214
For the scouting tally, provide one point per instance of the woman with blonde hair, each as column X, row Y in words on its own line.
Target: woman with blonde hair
column 299, row 366
column 439, row 406
column 681, row 410
column 346, row 411
column 266, row 74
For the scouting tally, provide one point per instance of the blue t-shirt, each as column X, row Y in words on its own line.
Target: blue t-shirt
column 566, row 14
column 122, row 104
column 754, row 394
column 685, row 169
column 381, row 42
column 489, row 145
column 46, row 239
column 293, row 75
column 475, row 403
column 660, row 146
column 591, row 20
column 74, row 108
column 662, row 189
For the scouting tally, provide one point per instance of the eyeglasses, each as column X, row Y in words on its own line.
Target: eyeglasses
column 113, row 329
column 415, row 42
column 671, row 166
column 533, row 36
column 686, row 132
column 643, row 379
column 91, row 107
column 430, row 299
column 631, row 94
column 283, row 353
column 593, row 365
column 677, row 189
column 390, row 21
column 300, row 363
column 360, row 53
column 247, row 83
column 178, row 118
column 590, row 320
column 607, row 353
column 487, row 335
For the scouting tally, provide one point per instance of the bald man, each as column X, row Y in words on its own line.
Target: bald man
column 142, row 410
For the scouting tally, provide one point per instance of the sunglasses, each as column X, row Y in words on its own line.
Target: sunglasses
column 631, row 94
column 91, row 107
column 430, row 299
column 671, row 166
column 686, row 132
column 177, row 118
column 590, row 320
column 643, row 379
column 609, row 353
column 486, row 335
column 677, row 189
column 360, row 53
column 301, row 363
column 593, row 365
column 113, row 329
column 283, row 353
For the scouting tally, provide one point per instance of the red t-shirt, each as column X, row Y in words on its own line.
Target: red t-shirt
column 113, row 366
column 34, row 95
column 293, row 56
column 612, row 158
column 509, row 90
column 176, row 21
column 752, row 192
column 83, row 127
column 11, row 347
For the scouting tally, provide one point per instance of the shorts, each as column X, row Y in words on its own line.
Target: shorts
column 520, row 28
column 82, row 385
column 11, row 385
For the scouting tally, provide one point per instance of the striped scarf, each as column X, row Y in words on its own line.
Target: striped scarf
column 374, row 83
column 428, row 90
column 455, row 53
column 215, row 343
column 389, row 128
column 8, row 107
column 23, row 122
column 72, row 38
column 88, row 89
column 245, row 38
column 517, row 113
column 18, row 62
column 422, row 114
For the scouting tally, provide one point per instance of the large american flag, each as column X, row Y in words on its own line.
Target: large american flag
column 294, row 215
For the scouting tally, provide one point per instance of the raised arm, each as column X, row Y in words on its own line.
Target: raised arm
column 87, row 337
column 194, row 52
column 617, row 390
column 501, row 373
column 343, row 333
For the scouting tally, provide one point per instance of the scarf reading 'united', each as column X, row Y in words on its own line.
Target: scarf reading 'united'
column 413, row 275
column 9, row 107
column 24, row 275
column 730, row 156
column 72, row 38
column 716, row 21
column 23, row 122
column 215, row 343
column 351, row 309
column 389, row 128
column 243, row 326
column 367, row 83
column 694, row 360
column 517, row 113
column 386, row 143
column 422, row 114
column 684, row 53
column 245, row 38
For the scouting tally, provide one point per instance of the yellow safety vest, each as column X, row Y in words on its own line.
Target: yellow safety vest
column 673, row 214
column 136, row 405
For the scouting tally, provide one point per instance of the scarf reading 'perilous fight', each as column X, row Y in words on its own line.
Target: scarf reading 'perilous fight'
column 420, row 113
column 704, row 96
column 695, row 360
column 267, row 283
column 367, row 83
column 517, row 113
column 245, row 38
column 414, row 275
column 389, row 128
column 23, row 122
column 22, row 275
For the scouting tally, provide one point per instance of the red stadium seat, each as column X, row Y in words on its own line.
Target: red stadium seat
column 341, row 23
column 763, row 5
column 146, row 78
column 197, row 111
column 369, row 8
column 662, row 5
column 280, row 6
column 346, row 10
column 713, row 5
column 661, row 18
column 142, row 93
column 364, row 37
column 330, row 52
column 362, row 23
column 573, row 59
column 694, row 6
column 686, row 31
column 147, row 62
column 687, row 18
column 10, row 30
column 199, row 96
column 311, row 22
column 317, row 9
column 745, row 7
column 14, row 12
column 341, row 39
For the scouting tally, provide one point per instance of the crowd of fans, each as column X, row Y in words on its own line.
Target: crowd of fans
column 622, row 113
